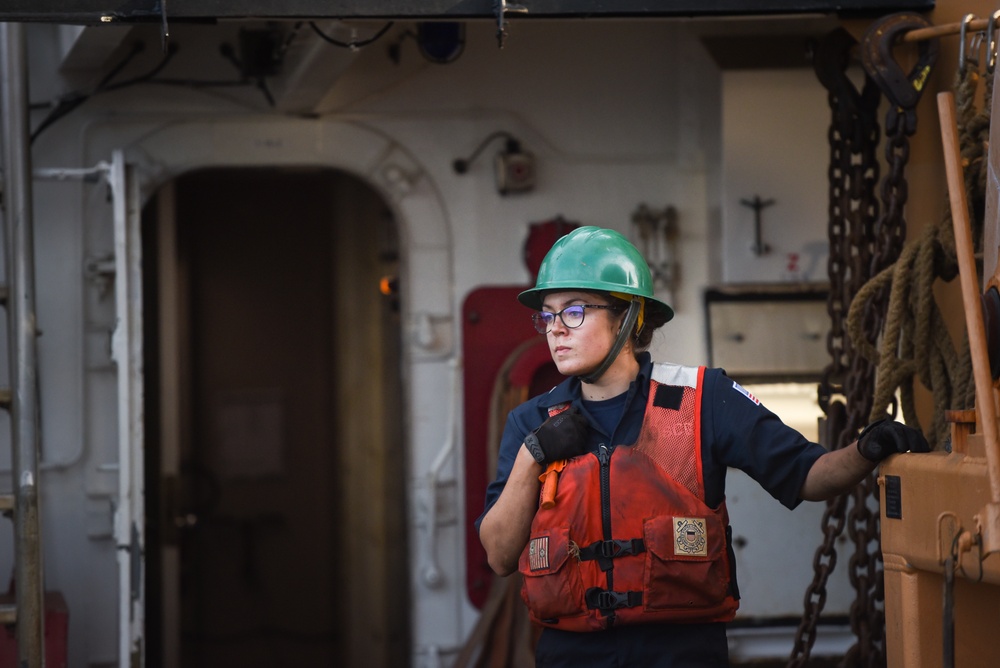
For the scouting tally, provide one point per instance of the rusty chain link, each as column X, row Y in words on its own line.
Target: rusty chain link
column 864, row 567
column 868, row 249
column 903, row 92
column 852, row 210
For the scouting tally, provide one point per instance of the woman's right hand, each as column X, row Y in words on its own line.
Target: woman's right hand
column 562, row 436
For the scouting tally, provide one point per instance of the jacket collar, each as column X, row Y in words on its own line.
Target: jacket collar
column 569, row 390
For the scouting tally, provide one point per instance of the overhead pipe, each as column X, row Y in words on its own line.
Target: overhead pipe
column 21, row 344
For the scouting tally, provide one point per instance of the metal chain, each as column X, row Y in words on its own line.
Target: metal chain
column 866, row 572
column 870, row 650
column 867, row 576
column 891, row 228
column 867, row 247
column 852, row 210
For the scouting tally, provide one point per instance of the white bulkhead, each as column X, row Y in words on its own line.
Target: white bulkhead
column 345, row 540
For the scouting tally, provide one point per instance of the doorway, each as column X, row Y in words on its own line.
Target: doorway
column 276, row 465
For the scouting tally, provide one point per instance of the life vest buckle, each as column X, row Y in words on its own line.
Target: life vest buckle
column 612, row 549
column 621, row 548
column 606, row 600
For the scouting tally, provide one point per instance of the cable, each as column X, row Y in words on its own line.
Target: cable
column 350, row 45
column 74, row 100
column 71, row 102
column 462, row 166
column 168, row 56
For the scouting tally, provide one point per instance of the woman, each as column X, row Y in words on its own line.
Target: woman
column 627, row 561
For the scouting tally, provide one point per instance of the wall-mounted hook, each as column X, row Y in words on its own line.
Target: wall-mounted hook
column 991, row 51
column 962, row 59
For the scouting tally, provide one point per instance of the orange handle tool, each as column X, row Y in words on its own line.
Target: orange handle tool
column 550, row 480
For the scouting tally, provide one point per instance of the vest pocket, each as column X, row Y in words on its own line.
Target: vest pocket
column 685, row 563
column 552, row 587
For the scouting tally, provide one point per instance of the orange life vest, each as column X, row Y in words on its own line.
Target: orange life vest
column 630, row 539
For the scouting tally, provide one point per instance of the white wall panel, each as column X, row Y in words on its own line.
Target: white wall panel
column 774, row 146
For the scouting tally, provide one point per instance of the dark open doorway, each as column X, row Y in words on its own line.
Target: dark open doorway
column 276, row 467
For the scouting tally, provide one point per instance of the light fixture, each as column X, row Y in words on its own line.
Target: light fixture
column 513, row 168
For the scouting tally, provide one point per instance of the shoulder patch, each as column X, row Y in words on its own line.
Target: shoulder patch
column 668, row 396
column 746, row 393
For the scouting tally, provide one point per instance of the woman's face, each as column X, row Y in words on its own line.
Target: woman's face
column 580, row 350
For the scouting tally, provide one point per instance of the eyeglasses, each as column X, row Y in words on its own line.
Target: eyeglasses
column 571, row 316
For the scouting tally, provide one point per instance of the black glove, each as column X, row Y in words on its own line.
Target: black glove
column 560, row 437
column 887, row 437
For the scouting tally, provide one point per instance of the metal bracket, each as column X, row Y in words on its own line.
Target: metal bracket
column 500, row 10
column 164, row 28
column 101, row 272
column 758, row 205
column 658, row 231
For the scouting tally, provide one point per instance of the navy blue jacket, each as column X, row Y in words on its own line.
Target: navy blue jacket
column 737, row 431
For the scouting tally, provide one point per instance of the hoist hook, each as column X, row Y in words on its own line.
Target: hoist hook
column 903, row 89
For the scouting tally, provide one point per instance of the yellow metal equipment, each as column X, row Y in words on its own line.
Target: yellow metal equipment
column 941, row 511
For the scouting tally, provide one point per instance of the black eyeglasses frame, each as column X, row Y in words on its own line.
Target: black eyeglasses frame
column 544, row 326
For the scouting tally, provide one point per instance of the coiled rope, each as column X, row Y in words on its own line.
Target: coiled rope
column 915, row 341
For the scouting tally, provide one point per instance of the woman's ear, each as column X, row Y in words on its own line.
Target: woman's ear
column 622, row 317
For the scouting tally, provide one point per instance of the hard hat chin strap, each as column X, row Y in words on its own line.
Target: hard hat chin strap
column 623, row 334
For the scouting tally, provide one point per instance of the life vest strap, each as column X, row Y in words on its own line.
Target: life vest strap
column 606, row 550
column 608, row 601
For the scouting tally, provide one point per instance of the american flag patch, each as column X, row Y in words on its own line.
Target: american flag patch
column 538, row 554
column 746, row 393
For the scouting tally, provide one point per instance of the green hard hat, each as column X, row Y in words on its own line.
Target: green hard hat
column 594, row 259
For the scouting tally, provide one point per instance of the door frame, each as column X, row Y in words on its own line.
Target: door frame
column 127, row 353
column 162, row 151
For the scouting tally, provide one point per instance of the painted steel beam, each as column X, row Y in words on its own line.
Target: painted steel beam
column 134, row 11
